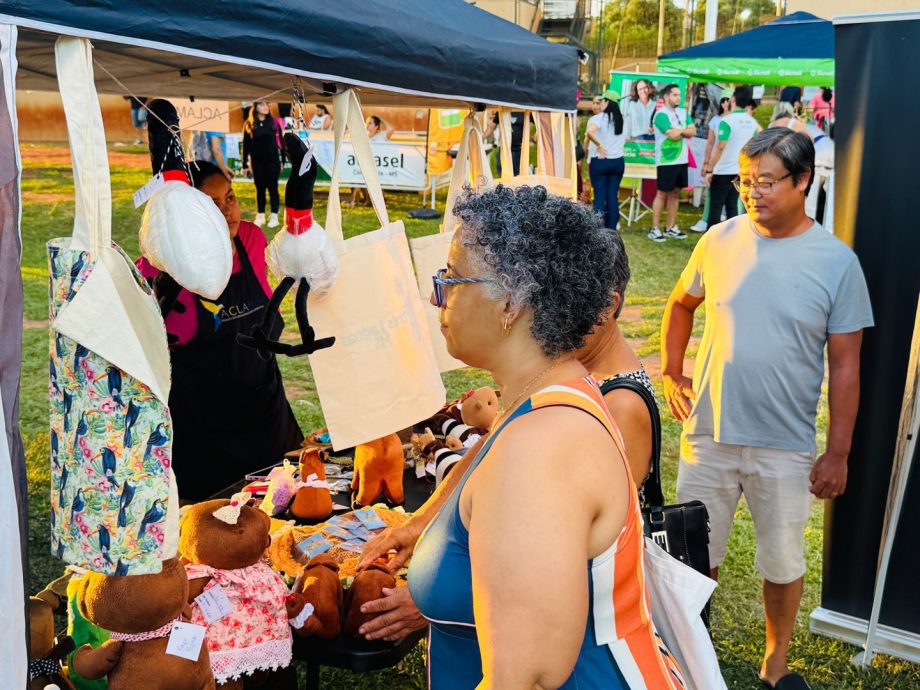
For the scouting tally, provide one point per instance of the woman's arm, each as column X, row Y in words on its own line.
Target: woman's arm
column 590, row 133
column 632, row 417
column 247, row 145
column 532, row 506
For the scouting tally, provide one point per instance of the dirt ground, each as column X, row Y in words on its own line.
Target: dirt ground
column 33, row 153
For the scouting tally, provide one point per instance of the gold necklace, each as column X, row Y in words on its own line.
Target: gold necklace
column 526, row 388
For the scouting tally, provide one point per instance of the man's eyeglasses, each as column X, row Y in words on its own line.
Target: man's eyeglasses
column 763, row 187
column 440, row 279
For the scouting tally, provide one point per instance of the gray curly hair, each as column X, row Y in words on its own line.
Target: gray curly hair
column 545, row 252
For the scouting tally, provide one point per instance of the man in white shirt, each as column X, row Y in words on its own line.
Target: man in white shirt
column 673, row 127
column 777, row 289
column 735, row 130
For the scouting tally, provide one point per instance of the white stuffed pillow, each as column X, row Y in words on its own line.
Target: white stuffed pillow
column 309, row 255
column 184, row 233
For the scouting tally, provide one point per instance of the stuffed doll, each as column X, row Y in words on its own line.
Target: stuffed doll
column 312, row 500
column 367, row 586
column 379, row 471
column 321, row 588
column 45, row 652
column 222, row 543
column 86, row 636
column 183, row 233
column 300, row 253
column 139, row 612
column 466, row 419
column 440, row 456
column 281, row 490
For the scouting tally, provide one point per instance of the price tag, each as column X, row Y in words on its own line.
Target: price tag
column 185, row 640
column 214, row 604
column 145, row 192
column 419, row 468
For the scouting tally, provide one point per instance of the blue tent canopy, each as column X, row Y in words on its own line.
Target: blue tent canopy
column 795, row 49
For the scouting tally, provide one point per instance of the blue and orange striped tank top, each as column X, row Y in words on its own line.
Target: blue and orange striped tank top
column 620, row 649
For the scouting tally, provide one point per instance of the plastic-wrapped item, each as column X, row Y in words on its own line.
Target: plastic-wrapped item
column 281, row 489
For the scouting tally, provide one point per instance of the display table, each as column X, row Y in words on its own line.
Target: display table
column 354, row 654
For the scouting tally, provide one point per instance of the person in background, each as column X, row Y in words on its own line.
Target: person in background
column 734, row 132
column 777, row 289
column 138, row 116
column 208, row 147
column 673, row 127
column 378, row 129
column 724, row 108
column 262, row 159
column 791, row 95
column 228, row 406
column 639, row 109
column 606, row 164
column 321, row 118
column 822, row 107
column 517, row 139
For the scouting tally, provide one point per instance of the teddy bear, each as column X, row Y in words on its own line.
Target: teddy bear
column 139, row 612
column 466, row 419
column 46, row 652
column 440, row 456
column 367, row 586
column 222, row 543
column 379, row 471
column 321, row 588
column 312, row 500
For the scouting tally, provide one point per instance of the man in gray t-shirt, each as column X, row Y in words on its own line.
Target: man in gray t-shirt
column 777, row 288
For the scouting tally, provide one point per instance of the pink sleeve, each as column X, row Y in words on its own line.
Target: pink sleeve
column 254, row 243
column 184, row 325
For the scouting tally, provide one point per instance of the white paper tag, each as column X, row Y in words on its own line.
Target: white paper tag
column 419, row 468
column 145, row 192
column 185, row 640
column 297, row 623
column 214, row 604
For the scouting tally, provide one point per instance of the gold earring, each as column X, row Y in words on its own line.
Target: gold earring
column 506, row 328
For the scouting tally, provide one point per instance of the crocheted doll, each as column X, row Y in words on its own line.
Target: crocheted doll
column 312, row 500
column 222, row 543
column 379, row 471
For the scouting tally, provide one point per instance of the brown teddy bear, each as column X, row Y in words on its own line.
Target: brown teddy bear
column 379, row 471
column 367, row 586
column 45, row 652
column 222, row 543
column 321, row 587
column 312, row 502
column 139, row 611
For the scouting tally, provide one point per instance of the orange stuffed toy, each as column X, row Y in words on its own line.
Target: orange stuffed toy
column 139, row 611
column 379, row 471
column 312, row 502
column 322, row 588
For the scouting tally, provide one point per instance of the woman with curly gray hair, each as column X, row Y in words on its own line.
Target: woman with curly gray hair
column 531, row 572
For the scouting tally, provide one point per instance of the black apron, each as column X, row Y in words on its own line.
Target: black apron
column 230, row 415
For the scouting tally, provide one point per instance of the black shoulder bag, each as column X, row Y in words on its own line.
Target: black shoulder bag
column 681, row 529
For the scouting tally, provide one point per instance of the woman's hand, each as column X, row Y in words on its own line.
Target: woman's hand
column 601, row 151
column 398, row 616
column 400, row 539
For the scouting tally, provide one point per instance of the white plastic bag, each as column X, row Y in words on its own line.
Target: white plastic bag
column 184, row 233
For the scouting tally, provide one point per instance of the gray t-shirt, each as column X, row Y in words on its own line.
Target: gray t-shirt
column 770, row 305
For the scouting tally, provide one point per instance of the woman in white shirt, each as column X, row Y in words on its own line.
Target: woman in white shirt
column 605, row 157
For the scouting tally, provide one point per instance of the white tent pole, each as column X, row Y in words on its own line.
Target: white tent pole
column 712, row 14
column 908, row 429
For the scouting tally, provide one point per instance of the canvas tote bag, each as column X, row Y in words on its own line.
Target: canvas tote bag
column 381, row 375
column 556, row 166
column 430, row 252
column 114, row 504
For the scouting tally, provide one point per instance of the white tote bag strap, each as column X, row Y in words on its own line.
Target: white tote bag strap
column 471, row 164
column 347, row 112
column 92, row 191
column 504, row 136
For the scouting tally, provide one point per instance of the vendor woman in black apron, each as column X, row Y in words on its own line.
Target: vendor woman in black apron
column 229, row 411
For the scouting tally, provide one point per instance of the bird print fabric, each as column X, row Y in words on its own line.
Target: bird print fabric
column 111, row 445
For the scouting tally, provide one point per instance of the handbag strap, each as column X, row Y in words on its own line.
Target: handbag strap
column 471, row 163
column 347, row 112
column 651, row 494
column 92, row 228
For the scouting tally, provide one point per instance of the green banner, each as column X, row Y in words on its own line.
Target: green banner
column 622, row 81
column 769, row 72
column 639, row 152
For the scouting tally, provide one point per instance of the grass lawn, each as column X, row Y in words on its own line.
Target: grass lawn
column 737, row 618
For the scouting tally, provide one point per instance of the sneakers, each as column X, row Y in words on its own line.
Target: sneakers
column 273, row 220
column 655, row 235
column 260, row 219
column 674, row 233
column 700, row 225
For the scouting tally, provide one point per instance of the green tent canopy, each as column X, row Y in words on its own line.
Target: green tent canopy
column 796, row 49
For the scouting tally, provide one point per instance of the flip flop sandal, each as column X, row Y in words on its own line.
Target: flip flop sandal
column 791, row 681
